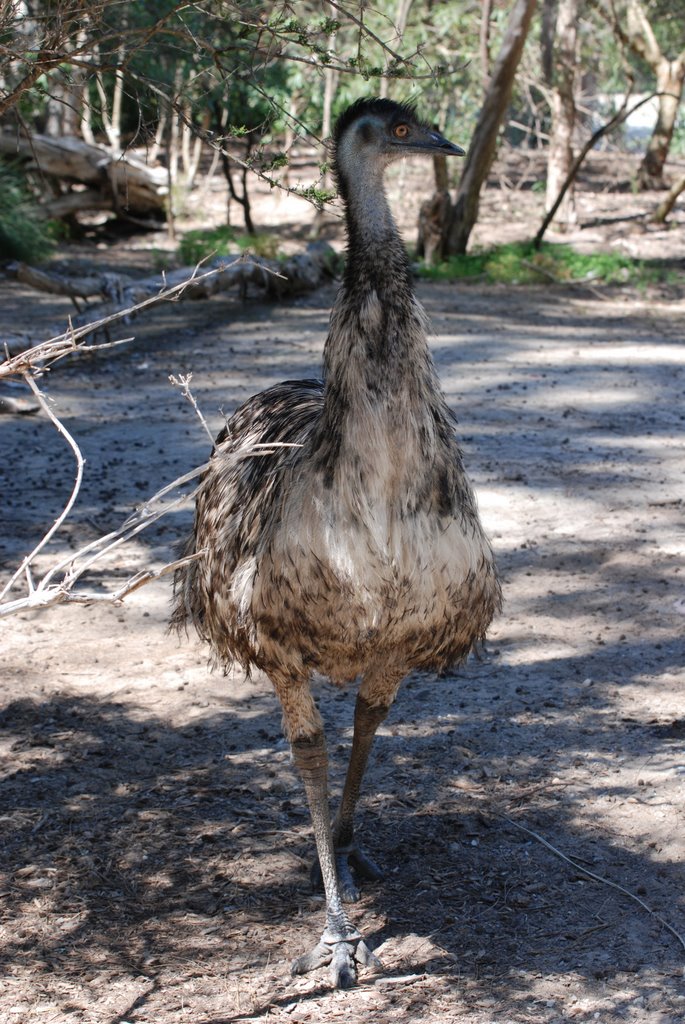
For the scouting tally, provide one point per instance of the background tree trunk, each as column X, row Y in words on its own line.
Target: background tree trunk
column 484, row 142
column 564, row 74
column 484, row 42
column 434, row 216
column 666, row 205
column 636, row 32
column 670, row 75
column 401, row 18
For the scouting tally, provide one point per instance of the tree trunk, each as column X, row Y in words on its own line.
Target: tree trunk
column 560, row 155
column 126, row 183
column 664, row 208
column 401, row 18
column 484, row 42
column 63, row 103
column 670, row 75
column 330, row 78
column 636, row 32
column 434, row 216
column 547, row 27
column 484, row 142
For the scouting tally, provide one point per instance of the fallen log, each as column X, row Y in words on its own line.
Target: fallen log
column 122, row 182
column 301, row 273
column 103, row 284
column 277, row 279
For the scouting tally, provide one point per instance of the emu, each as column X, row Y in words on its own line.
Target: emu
column 353, row 548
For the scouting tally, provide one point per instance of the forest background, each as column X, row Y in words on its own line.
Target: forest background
column 124, row 109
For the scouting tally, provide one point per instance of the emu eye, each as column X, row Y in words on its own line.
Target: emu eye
column 400, row 131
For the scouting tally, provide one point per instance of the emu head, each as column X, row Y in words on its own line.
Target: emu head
column 373, row 133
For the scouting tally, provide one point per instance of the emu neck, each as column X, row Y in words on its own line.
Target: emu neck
column 376, row 257
column 377, row 342
column 382, row 395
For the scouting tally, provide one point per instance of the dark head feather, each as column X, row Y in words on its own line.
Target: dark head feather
column 393, row 111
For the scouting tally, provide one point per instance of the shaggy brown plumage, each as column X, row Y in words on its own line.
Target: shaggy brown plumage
column 358, row 552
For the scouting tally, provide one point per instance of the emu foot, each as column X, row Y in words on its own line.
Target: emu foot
column 343, row 955
column 350, row 862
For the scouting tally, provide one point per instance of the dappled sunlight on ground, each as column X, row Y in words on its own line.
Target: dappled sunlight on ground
column 155, row 842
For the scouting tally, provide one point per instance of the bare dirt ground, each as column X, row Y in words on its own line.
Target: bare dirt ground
column 155, row 843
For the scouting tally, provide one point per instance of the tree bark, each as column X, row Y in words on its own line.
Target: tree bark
column 638, row 34
column 666, row 205
column 128, row 184
column 484, row 42
column 434, row 216
column 401, row 18
column 484, row 142
column 670, row 75
column 564, row 73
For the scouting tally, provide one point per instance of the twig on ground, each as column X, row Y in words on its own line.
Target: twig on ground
column 406, row 979
column 25, row 566
column 597, row 878
column 570, row 283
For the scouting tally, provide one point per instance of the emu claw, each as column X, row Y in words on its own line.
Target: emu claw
column 342, row 954
column 348, row 859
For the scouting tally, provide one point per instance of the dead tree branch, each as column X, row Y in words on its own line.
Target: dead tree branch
column 612, row 123
column 126, row 297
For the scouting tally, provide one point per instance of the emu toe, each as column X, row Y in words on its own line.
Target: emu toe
column 351, row 864
column 343, row 955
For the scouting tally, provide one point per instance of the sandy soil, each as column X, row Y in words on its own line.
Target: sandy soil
column 155, row 844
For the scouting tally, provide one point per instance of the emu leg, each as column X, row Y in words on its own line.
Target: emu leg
column 341, row 945
column 349, row 856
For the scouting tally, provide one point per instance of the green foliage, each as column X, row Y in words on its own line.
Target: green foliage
column 23, row 234
column 201, row 244
column 320, row 196
column 521, row 263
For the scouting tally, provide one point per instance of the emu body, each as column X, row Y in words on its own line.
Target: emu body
column 353, row 548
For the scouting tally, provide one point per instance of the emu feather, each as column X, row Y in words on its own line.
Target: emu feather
column 355, row 549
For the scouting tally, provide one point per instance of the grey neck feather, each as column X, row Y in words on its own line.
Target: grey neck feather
column 380, row 378
column 377, row 342
column 376, row 259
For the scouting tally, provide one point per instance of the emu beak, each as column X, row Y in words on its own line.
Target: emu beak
column 440, row 143
column 427, row 140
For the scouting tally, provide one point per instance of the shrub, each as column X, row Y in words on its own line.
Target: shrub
column 24, row 234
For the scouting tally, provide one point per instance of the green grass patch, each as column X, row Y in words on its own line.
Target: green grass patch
column 224, row 241
column 521, row 263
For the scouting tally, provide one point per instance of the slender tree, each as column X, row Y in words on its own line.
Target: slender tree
column 483, row 146
column 636, row 31
column 564, row 73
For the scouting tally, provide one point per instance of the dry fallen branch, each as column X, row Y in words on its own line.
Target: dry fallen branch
column 126, row 297
column 56, row 586
column 38, row 357
column 183, row 382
